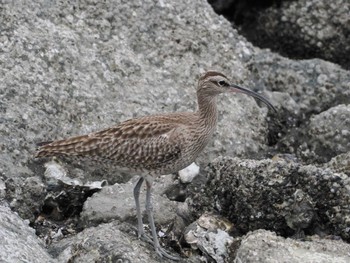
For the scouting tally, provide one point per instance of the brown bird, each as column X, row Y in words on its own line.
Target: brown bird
column 154, row 145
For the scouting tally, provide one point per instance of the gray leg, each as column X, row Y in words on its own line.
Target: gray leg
column 140, row 231
column 149, row 209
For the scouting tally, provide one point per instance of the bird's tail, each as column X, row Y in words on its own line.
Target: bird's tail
column 75, row 146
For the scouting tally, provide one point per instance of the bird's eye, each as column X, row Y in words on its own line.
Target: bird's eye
column 222, row 83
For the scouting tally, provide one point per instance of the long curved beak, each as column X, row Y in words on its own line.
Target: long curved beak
column 236, row 88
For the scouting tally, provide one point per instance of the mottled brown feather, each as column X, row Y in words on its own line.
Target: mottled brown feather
column 147, row 143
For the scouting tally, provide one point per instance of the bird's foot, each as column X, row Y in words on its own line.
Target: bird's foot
column 159, row 250
column 142, row 235
column 146, row 238
column 163, row 253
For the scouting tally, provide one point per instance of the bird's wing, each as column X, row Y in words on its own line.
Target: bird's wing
column 146, row 143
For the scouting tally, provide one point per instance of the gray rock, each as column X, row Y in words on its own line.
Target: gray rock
column 209, row 234
column 117, row 202
column 2, row 190
column 340, row 163
column 328, row 134
column 55, row 174
column 301, row 96
column 265, row 246
column 18, row 241
column 278, row 195
column 304, row 29
column 104, row 243
column 27, row 199
column 307, row 86
column 300, row 212
column 187, row 174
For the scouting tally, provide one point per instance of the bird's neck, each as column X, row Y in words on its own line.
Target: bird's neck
column 207, row 111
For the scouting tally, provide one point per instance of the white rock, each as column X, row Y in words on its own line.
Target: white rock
column 190, row 172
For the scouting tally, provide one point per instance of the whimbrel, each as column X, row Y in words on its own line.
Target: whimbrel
column 154, row 145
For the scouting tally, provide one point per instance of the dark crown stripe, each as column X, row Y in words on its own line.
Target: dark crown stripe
column 211, row 74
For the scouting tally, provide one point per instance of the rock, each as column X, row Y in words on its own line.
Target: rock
column 118, row 203
column 299, row 83
column 302, row 29
column 266, row 246
column 328, row 134
column 18, row 240
column 56, row 174
column 104, row 243
column 27, row 199
column 301, row 211
column 299, row 99
column 186, row 175
column 281, row 196
column 210, row 235
column 340, row 163
column 2, row 190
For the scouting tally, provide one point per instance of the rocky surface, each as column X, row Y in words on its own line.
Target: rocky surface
column 297, row 29
column 18, row 240
column 307, row 29
column 209, row 234
column 328, row 133
column 279, row 195
column 118, row 203
column 340, row 163
column 74, row 68
column 265, row 246
column 94, row 245
column 305, row 91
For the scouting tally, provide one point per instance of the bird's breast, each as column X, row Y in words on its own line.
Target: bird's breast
column 198, row 141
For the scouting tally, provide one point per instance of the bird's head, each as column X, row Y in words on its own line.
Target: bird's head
column 213, row 83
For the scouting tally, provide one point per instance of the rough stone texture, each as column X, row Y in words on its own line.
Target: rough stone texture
column 328, row 134
column 304, row 29
column 309, row 86
column 29, row 197
column 277, row 195
column 340, row 163
column 264, row 246
column 209, row 234
column 18, row 241
column 117, row 202
column 2, row 190
column 301, row 90
column 104, row 243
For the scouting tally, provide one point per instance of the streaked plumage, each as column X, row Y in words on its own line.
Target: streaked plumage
column 158, row 144
column 154, row 145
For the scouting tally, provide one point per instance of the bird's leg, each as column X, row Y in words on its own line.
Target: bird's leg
column 149, row 209
column 140, row 231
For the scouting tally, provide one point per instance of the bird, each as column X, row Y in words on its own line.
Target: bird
column 154, row 145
